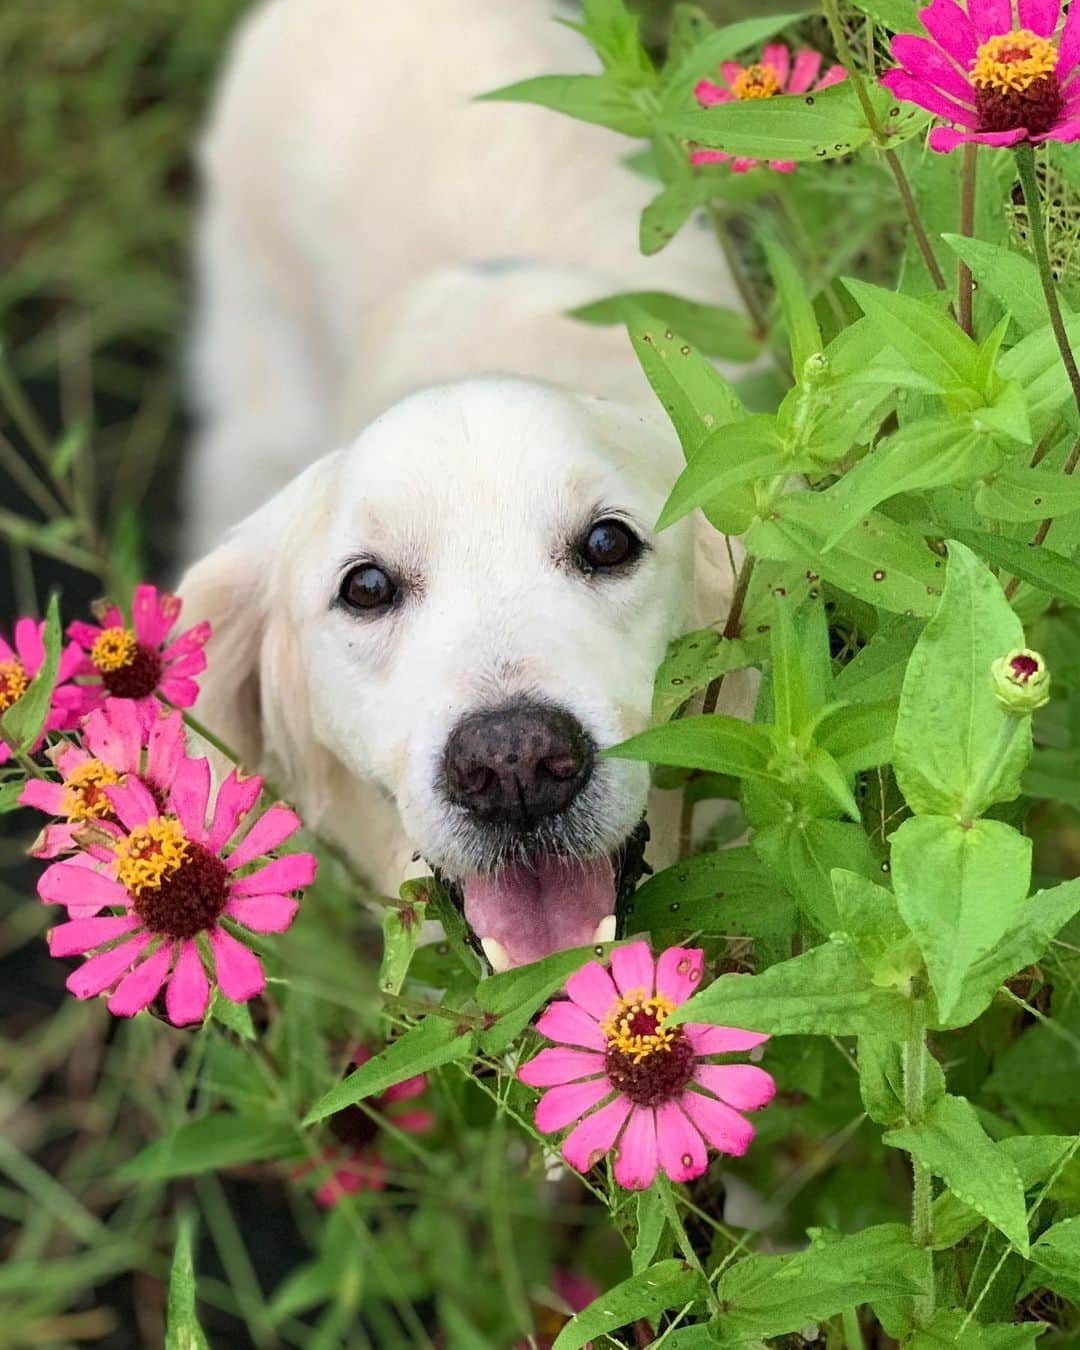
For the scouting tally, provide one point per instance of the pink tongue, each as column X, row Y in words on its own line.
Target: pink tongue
column 533, row 911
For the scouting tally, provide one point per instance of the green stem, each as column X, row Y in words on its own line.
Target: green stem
column 25, row 762
column 679, row 1232
column 922, row 1232
column 873, row 121
column 974, row 800
column 965, row 286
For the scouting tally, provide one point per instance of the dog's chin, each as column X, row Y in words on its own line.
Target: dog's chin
column 529, row 909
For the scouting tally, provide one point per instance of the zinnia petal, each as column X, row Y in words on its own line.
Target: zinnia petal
column 153, row 615
column 990, row 17
column 633, row 968
column 263, row 913
column 239, row 971
column 951, row 29
column 190, row 794
column 181, row 693
column 743, row 1086
column 591, row 988
column 683, row 1155
column 678, row 972
column 805, row 71
column 558, row 1065
column 235, row 798
column 414, row 1122
column 1041, row 16
column 272, row 828
column 165, row 750
column 709, row 157
column 139, row 989
column 709, row 1040
column 1069, row 46
column 926, row 61
column 709, row 94
column 189, row 643
column 290, row 873
column 1064, row 131
column 944, row 139
column 401, row 1092
column 132, row 803
column 114, row 734
column 30, row 644
column 638, row 1156
column 914, row 90
column 103, row 970
column 723, row 1128
column 776, row 54
column 566, row 1022
column 71, row 883
column 80, row 935
column 560, row 1105
column 594, row 1136
column 188, row 992
column 43, row 795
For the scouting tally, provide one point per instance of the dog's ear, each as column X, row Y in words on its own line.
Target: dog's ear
column 253, row 692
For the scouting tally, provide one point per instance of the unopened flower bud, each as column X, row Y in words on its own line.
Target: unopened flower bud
column 1021, row 681
column 815, row 369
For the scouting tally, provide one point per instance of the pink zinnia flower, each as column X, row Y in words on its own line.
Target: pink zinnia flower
column 772, row 75
column 113, row 741
column 356, row 1161
column 999, row 83
column 19, row 665
column 636, row 1084
column 174, row 880
column 138, row 662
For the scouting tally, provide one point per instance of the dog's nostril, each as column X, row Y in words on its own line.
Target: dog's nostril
column 517, row 765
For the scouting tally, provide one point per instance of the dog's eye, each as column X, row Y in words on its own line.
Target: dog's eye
column 609, row 544
column 367, row 587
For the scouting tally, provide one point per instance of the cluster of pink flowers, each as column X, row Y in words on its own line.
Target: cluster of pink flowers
column 158, row 871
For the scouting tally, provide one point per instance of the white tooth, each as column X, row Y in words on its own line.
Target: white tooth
column 605, row 929
column 497, row 955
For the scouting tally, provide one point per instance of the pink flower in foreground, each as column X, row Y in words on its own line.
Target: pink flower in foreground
column 175, row 880
column 113, row 741
column 636, row 1084
column 138, row 662
column 19, row 665
column 355, row 1158
column 998, row 84
column 772, row 75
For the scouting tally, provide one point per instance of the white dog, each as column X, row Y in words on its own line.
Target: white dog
column 429, row 634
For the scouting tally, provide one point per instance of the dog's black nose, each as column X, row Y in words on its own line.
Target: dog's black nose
column 519, row 764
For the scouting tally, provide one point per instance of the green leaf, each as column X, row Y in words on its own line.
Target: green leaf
column 235, row 1016
column 881, row 1080
column 695, row 396
column 928, row 340
column 1011, row 278
column 794, row 711
column 825, row 992
column 1036, row 1157
column 733, row 455
column 768, row 1295
column 1035, row 364
column 717, row 743
column 1045, row 913
column 955, row 1329
column 651, row 1222
column 9, row 795
column 804, row 335
column 870, row 916
column 858, row 736
column 1057, row 1254
column 1020, row 494
column 879, row 561
column 691, row 663
column 226, row 1139
column 959, row 890
column 670, row 1284
column 803, row 853
column 612, row 31
column 876, row 672
column 900, row 16
column 427, row 1045
column 714, row 330
column 950, row 726
column 513, row 996
column 951, row 1143
column 820, row 125
column 920, row 455
column 602, row 99
column 402, row 924
column 1040, row 567
column 25, row 719
column 182, row 1330
column 69, row 447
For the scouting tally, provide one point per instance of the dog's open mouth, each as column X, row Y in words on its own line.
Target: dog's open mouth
column 526, row 911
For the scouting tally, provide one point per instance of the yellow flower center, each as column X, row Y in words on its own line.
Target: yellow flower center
column 83, row 797
column 114, row 649
column 1012, row 62
column 756, row 81
column 13, row 683
column 635, row 1025
column 151, row 854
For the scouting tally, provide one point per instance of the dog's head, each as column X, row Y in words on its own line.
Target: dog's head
column 443, row 625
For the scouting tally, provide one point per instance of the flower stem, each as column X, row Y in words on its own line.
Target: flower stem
column 679, row 1232
column 732, row 627
column 964, row 282
column 922, row 1233
column 973, row 801
column 903, row 187
column 1029, row 183
column 25, row 762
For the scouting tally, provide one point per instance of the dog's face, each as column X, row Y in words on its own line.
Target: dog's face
column 466, row 606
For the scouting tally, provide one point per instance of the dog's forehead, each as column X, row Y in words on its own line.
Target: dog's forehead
column 501, row 445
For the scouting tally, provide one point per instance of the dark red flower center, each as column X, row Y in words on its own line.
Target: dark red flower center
column 1023, row 667
column 1015, row 83
column 139, row 678
column 354, row 1127
column 188, row 897
column 656, row 1078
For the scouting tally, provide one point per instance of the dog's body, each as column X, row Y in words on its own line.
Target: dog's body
column 416, row 635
